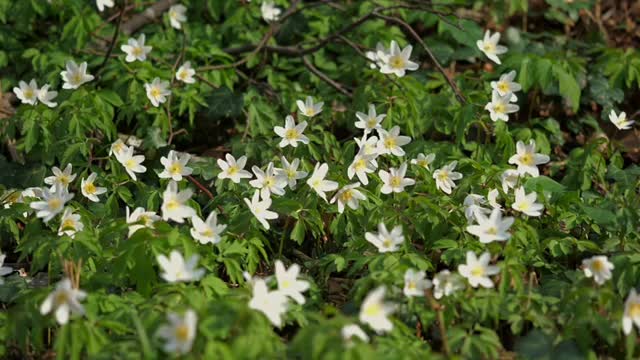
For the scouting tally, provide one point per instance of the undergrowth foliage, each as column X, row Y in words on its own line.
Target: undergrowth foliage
column 318, row 180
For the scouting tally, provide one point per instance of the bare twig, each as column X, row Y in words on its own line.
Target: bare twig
column 114, row 38
column 441, row 324
column 336, row 85
column 200, row 186
column 150, row 14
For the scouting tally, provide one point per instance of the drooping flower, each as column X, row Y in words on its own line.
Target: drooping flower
column 64, row 300
column 70, row 223
column 260, row 209
column 61, row 178
column 500, row 107
column 473, row 203
column 394, row 180
column 477, row 270
column 509, row 179
column 597, row 267
column 233, row 169
column 489, row 46
column 46, row 97
column 492, row 228
column 179, row 333
column 384, row 240
column 175, row 166
column 371, row 121
column 362, row 165
column 51, row 203
column 308, row 108
column 269, row 11
column 132, row 163
column 445, row 177
column 349, row 195
column 140, row 219
column 288, row 282
column 174, row 203
column 90, row 190
column 175, row 269
column 208, row 231
column 136, row 49
column 291, row 133
column 527, row 159
column 101, row 4
column 27, row 93
column 415, row 283
column 376, row 56
column 185, row 73
column 446, row 283
column 391, row 141
column 492, row 197
column 353, row 331
column 269, row 182
column 157, row 91
column 318, row 183
column 506, row 85
column 177, row 15
column 273, row 304
column 397, row 61
column 74, row 76
column 375, row 311
column 424, row 160
column 620, row 121
column 631, row 312
column 290, row 171
column 526, row 203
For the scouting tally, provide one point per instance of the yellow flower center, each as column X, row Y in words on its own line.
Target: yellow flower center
column 360, row 165
column 477, row 271
column 183, row 74
column 89, row 188
column 286, row 284
column 443, row 175
column 526, row 159
column 291, row 174
column 487, row 47
column 182, row 333
column 232, row 170
column 268, row 182
column 54, row 204
column 634, row 310
column 68, row 224
column 397, row 62
column 76, row 78
column 208, row 233
column 309, row 111
column 173, row 204
column 395, row 181
column 423, row 163
column 499, row 108
column 316, row 183
column 175, row 169
column 387, row 243
column 411, row 285
column 503, row 86
column 28, row 93
column 373, row 310
column 492, row 230
column 63, row 179
column 155, row 92
column 291, row 134
column 137, row 51
column 371, row 123
column 389, row 143
column 597, row 265
column 524, row 206
column 61, row 298
column 346, row 195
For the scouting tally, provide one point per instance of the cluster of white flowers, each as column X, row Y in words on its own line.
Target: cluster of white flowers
column 393, row 60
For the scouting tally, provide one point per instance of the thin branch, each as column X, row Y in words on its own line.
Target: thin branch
column 200, row 186
column 336, row 85
column 114, row 38
column 150, row 14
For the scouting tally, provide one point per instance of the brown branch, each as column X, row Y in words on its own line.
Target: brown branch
column 336, row 85
column 150, row 14
column 200, row 186
column 114, row 38
column 441, row 324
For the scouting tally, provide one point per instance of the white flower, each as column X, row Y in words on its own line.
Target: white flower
column 631, row 312
column 349, row 196
column 132, row 163
column 527, row 159
column 273, row 304
column 207, row 231
column 394, row 180
column 620, row 121
column 175, row 269
column 139, row 219
column 478, row 270
column 397, row 61
column 384, row 240
column 424, row 160
column 157, row 91
column 136, row 49
column 90, row 190
column 415, row 283
column 308, row 108
column 352, row 330
column 185, row 73
column 506, row 85
column 375, row 312
column 597, row 267
column 51, row 203
column 62, row 300
column 260, row 209
column 526, row 203
column 371, row 121
column 291, row 133
column 361, row 166
column 4, row 270
column 318, row 183
column 60, row 179
column 376, row 56
column 175, row 166
column 70, row 224
column 233, row 169
column 492, row 228
column 492, row 196
column 473, row 203
column 27, row 93
column 179, row 333
column 288, row 282
column 509, row 179
column 446, row 283
column 101, row 4
column 268, row 181
column 269, row 11
column 290, row 172
column 499, row 107
column 445, row 177
column 489, row 46
column 75, row 75
column 391, row 141
column 174, row 203
column 134, row 141
column 368, row 146
column 117, row 147
column 177, row 15
column 46, row 97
